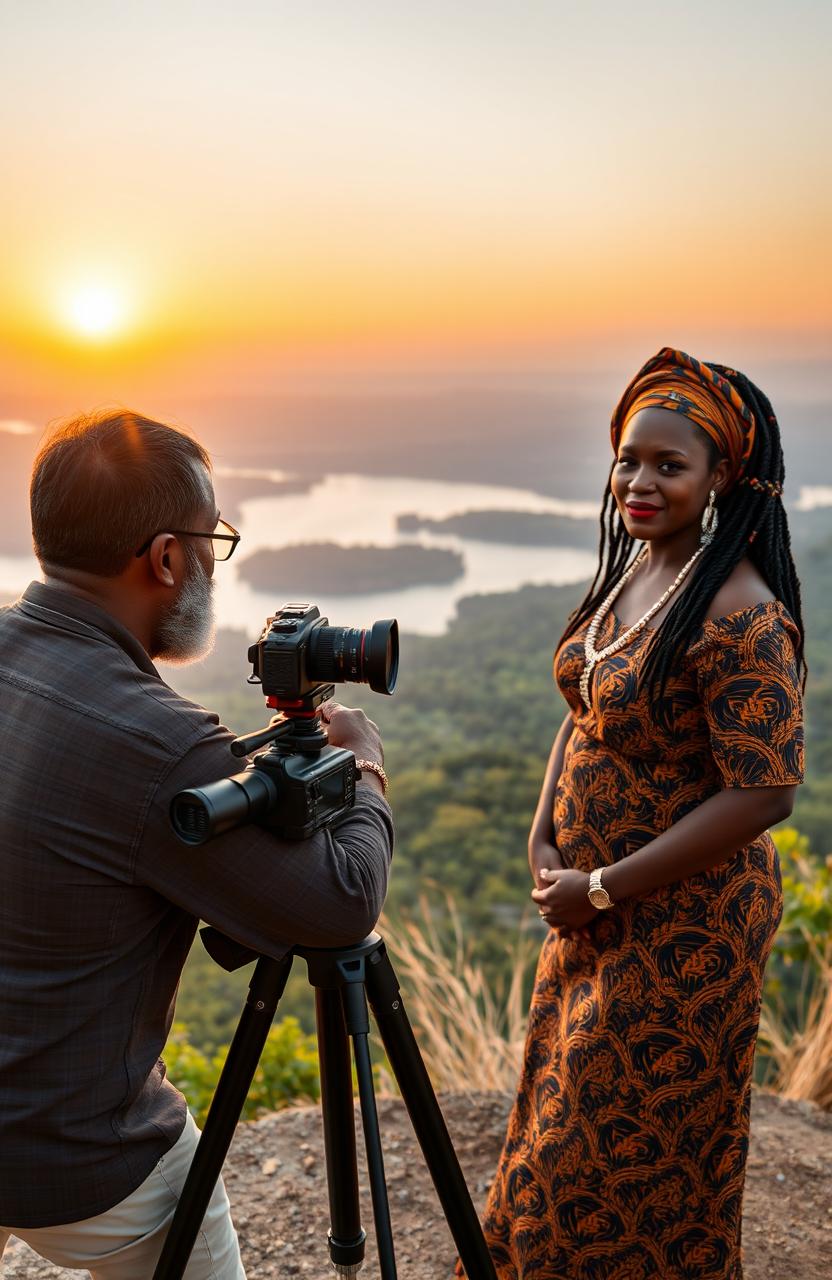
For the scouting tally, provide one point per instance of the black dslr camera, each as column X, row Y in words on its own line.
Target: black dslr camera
column 298, row 784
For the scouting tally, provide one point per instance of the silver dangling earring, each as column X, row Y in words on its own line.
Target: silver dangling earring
column 710, row 520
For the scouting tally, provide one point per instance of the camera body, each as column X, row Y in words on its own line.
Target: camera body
column 279, row 658
column 310, row 791
column 297, row 651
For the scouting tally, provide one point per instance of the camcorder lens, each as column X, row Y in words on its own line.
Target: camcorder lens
column 354, row 655
column 204, row 812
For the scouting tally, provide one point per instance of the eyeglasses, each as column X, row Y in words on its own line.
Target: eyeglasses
column 224, row 539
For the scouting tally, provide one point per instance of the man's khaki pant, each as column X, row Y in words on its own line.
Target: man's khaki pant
column 125, row 1242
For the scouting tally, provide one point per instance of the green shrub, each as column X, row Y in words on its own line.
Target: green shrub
column 287, row 1071
column 807, row 894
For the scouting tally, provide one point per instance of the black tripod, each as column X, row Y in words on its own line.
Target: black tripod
column 344, row 979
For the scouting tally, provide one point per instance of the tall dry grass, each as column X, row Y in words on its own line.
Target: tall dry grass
column 470, row 1034
column 802, row 1055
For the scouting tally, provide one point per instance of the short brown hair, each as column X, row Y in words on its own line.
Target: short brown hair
column 103, row 483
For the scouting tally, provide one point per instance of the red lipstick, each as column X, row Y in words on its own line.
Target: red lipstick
column 642, row 510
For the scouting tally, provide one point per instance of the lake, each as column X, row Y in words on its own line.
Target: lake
column 352, row 510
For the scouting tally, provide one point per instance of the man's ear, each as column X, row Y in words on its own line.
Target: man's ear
column 162, row 556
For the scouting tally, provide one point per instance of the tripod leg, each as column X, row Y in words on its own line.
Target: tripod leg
column 426, row 1117
column 346, row 1236
column 265, row 989
column 358, row 1026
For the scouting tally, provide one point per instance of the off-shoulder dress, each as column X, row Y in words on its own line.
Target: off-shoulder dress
column 626, row 1147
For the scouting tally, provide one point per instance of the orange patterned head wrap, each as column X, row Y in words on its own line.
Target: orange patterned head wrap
column 676, row 381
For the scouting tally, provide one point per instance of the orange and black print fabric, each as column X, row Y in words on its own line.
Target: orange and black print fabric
column 625, row 1152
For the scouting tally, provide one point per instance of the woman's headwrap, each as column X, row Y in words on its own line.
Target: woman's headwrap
column 676, row 381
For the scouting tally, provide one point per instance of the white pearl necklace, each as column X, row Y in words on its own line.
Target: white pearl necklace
column 594, row 655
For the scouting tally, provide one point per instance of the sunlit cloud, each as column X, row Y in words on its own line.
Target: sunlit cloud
column 17, row 427
column 813, row 496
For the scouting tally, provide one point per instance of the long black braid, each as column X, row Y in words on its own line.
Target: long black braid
column 751, row 523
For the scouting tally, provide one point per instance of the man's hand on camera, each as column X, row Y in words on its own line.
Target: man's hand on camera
column 350, row 728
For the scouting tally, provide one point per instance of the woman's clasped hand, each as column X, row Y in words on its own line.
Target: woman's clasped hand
column 562, row 901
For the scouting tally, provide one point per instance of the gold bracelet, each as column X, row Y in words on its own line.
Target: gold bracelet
column 373, row 766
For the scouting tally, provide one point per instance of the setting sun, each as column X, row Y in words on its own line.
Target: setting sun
column 95, row 311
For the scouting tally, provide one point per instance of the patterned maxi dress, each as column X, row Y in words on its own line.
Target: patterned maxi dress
column 625, row 1152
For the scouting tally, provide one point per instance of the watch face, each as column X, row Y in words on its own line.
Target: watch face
column 599, row 898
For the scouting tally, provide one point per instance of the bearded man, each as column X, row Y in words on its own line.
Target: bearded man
column 99, row 900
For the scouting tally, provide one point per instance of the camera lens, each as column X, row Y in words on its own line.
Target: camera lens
column 355, row 655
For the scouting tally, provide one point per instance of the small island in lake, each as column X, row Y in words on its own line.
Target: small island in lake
column 313, row 567
column 512, row 528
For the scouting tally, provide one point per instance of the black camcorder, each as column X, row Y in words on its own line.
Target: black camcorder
column 297, row 784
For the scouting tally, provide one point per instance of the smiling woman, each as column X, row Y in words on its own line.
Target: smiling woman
column 625, row 1152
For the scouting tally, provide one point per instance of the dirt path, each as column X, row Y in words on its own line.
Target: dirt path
column 276, row 1180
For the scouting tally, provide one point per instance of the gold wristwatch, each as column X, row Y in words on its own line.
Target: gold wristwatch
column 596, row 893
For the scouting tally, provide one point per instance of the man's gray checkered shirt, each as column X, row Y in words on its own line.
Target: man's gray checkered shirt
column 99, row 901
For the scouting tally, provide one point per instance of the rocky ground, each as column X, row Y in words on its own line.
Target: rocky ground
column 276, row 1180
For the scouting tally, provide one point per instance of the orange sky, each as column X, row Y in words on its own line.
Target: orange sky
column 263, row 194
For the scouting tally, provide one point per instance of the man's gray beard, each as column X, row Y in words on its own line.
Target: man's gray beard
column 187, row 632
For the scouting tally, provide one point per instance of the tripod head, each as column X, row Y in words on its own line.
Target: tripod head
column 296, row 727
